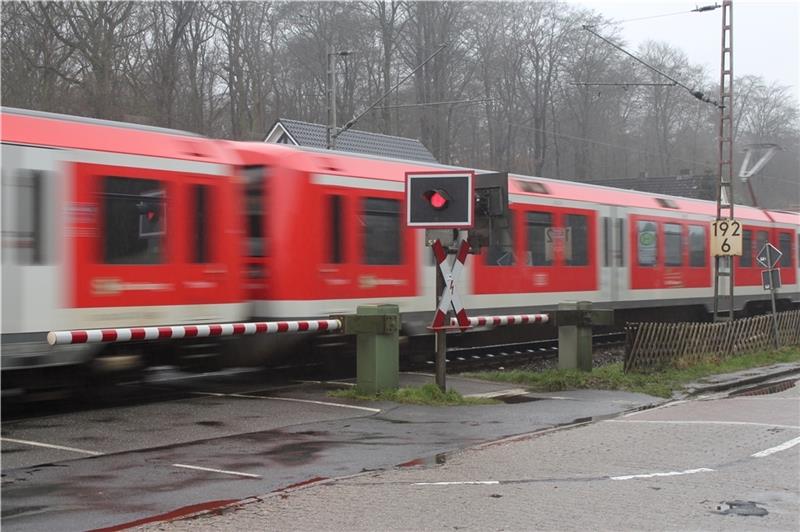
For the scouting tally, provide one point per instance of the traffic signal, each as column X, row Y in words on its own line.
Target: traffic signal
column 439, row 200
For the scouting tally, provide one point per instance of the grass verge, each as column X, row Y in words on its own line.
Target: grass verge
column 661, row 384
column 429, row 394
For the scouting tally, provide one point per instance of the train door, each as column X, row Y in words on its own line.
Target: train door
column 614, row 271
column 206, row 276
column 31, row 283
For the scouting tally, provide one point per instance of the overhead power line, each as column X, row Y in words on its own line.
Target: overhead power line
column 449, row 102
column 695, row 10
column 621, row 84
column 694, row 92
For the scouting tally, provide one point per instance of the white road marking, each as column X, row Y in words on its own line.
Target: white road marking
column 773, row 425
column 782, row 447
column 217, row 470
column 669, row 474
column 461, row 483
column 309, row 401
column 289, row 399
column 51, row 446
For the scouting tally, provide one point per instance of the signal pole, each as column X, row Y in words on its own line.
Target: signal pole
column 331, row 134
column 724, row 264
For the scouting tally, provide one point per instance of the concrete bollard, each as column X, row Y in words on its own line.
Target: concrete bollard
column 377, row 329
column 574, row 321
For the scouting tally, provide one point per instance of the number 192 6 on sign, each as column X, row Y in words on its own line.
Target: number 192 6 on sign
column 726, row 237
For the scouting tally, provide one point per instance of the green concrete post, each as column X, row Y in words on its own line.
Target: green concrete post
column 378, row 354
column 575, row 338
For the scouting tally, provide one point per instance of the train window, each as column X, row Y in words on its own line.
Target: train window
column 620, row 223
column 254, row 192
column 647, row 243
column 762, row 237
column 673, row 245
column 336, row 229
column 576, row 248
column 785, row 245
column 25, row 232
column 746, row 260
column 201, row 234
column 381, row 231
column 134, row 221
column 606, row 241
column 540, row 247
column 697, row 246
column 501, row 250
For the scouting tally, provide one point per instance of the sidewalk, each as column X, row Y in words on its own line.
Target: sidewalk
column 537, row 413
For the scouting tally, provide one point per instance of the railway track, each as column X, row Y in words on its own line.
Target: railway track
column 460, row 359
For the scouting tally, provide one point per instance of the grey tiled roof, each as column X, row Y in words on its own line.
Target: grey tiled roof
column 314, row 136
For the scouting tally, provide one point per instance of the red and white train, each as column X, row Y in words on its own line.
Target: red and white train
column 107, row 224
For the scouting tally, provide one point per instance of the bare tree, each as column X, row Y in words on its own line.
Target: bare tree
column 101, row 35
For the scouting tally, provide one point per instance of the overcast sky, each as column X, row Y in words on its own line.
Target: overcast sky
column 766, row 33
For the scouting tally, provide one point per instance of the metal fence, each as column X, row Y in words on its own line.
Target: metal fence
column 650, row 346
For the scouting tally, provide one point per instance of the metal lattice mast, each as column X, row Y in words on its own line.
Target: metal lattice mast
column 724, row 265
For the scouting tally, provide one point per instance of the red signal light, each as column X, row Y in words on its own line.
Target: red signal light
column 438, row 199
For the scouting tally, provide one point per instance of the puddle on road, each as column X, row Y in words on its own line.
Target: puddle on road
column 741, row 508
column 516, row 399
column 210, row 423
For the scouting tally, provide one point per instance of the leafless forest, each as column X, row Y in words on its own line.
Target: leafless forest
column 520, row 87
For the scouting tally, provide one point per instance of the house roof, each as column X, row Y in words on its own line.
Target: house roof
column 314, row 136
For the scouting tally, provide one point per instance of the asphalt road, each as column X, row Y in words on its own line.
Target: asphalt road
column 209, row 441
column 718, row 463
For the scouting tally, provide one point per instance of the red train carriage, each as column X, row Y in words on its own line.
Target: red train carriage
column 112, row 225
column 327, row 233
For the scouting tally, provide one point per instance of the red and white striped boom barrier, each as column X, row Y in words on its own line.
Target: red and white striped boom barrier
column 518, row 319
column 94, row 336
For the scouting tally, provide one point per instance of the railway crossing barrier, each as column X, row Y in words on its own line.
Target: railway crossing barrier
column 375, row 326
column 377, row 329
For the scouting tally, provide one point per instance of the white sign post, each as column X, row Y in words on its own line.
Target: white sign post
column 768, row 257
column 726, row 238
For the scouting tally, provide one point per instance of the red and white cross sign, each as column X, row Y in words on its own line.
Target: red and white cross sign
column 450, row 298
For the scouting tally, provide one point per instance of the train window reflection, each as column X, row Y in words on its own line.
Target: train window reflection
column 762, row 237
column 697, row 246
column 539, row 245
column 746, row 260
column 785, row 245
column 381, row 231
column 577, row 252
column 620, row 250
column 500, row 251
column 23, row 218
column 254, row 191
column 336, row 228
column 200, row 236
column 134, row 221
column 646, row 243
column 673, row 245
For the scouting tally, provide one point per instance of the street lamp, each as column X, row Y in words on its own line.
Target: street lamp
column 331, row 86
